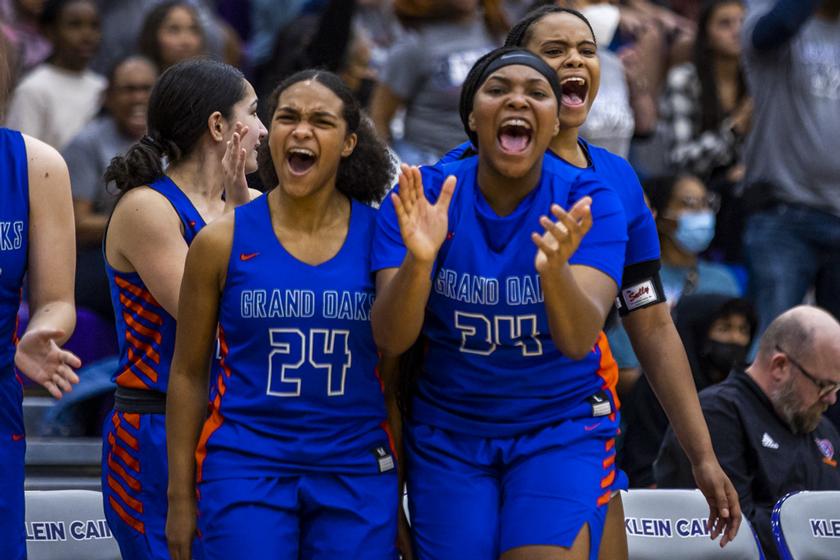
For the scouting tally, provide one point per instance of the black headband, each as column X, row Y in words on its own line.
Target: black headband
column 505, row 56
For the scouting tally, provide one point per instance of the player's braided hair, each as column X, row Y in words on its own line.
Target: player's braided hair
column 520, row 34
column 365, row 175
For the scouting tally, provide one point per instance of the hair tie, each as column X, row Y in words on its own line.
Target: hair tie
column 151, row 143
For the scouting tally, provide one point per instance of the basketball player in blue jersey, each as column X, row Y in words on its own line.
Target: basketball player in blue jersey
column 202, row 119
column 37, row 239
column 564, row 39
column 510, row 438
column 295, row 460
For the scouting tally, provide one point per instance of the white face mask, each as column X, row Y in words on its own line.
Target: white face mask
column 604, row 20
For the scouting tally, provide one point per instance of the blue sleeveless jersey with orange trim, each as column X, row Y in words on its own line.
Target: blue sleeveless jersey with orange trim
column 491, row 368
column 145, row 331
column 14, row 237
column 298, row 390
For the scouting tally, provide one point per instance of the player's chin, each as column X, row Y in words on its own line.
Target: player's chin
column 516, row 165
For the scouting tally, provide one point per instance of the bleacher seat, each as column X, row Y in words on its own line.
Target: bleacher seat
column 672, row 524
column 806, row 526
column 68, row 524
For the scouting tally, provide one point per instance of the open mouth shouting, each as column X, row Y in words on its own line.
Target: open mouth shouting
column 300, row 160
column 515, row 135
column 575, row 90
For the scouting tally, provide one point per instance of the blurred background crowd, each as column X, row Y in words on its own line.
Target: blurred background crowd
column 704, row 119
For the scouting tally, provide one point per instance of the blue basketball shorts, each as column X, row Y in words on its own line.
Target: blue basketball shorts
column 12, row 452
column 316, row 516
column 134, row 484
column 474, row 498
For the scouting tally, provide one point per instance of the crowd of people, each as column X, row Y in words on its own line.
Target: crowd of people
column 598, row 205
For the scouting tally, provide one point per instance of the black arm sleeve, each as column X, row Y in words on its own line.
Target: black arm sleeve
column 641, row 287
column 781, row 23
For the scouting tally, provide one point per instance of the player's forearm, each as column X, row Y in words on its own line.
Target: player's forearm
column 400, row 307
column 55, row 314
column 186, row 404
column 662, row 357
column 574, row 319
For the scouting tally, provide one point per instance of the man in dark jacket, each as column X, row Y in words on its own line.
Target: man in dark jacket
column 767, row 423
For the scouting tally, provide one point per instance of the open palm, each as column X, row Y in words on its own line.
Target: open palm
column 561, row 238
column 423, row 225
column 39, row 358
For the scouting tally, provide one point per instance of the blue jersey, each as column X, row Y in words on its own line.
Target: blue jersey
column 490, row 366
column 14, row 236
column 145, row 331
column 618, row 174
column 298, row 390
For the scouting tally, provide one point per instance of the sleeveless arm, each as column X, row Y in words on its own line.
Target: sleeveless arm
column 204, row 277
column 51, row 269
column 145, row 231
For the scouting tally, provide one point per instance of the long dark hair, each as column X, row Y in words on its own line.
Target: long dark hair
column 365, row 175
column 520, row 33
column 182, row 100
column 147, row 42
column 711, row 112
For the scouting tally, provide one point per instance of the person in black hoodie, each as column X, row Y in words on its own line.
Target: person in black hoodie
column 716, row 331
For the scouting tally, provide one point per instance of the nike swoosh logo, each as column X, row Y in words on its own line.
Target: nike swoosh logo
column 247, row 256
column 17, row 437
column 592, row 427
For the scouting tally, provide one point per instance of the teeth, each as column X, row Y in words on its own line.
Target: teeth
column 574, row 80
column 517, row 122
column 302, row 151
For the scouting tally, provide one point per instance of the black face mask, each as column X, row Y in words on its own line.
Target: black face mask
column 724, row 356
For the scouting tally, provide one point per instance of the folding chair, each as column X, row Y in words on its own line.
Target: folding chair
column 672, row 524
column 806, row 526
column 68, row 525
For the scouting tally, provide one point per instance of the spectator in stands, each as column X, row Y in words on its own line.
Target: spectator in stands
column 122, row 21
column 321, row 38
column 705, row 107
column 717, row 331
column 685, row 217
column 425, row 70
column 171, row 33
column 121, row 124
column 705, row 114
column 767, row 423
column 19, row 24
column 792, row 240
column 60, row 96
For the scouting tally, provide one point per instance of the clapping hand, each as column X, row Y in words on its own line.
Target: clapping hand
column 423, row 225
column 561, row 238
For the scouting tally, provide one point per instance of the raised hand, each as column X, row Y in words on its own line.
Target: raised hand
column 423, row 225
column 233, row 166
column 561, row 238
column 40, row 359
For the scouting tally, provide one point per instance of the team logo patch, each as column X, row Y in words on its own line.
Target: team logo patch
column 639, row 295
column 827, row 449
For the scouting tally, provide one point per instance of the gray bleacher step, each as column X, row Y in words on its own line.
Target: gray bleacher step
column 35, row 410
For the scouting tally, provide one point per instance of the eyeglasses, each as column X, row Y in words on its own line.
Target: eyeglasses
column 824, row 387
column 709, row 202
